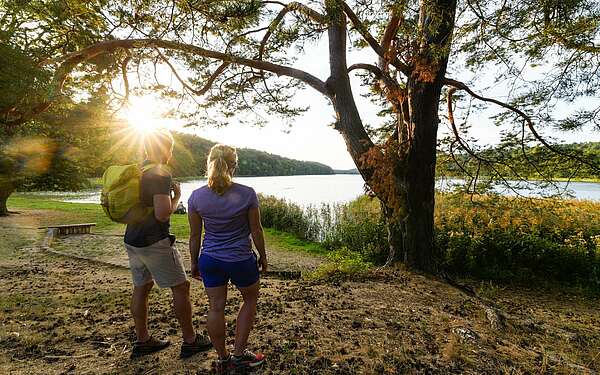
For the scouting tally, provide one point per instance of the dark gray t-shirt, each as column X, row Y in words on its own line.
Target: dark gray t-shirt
column 154, row 181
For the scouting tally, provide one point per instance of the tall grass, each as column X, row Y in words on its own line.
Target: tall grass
column 504, row 238
column 356, row 226
column 490, row 237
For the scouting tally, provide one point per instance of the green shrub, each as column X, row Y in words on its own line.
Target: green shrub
column 285, row 216
column 343, row 263
column 516, row 239
column 357, row 225
column 490, row 237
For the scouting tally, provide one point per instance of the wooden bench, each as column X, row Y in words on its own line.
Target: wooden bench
column 73, row 228
column 286, row 275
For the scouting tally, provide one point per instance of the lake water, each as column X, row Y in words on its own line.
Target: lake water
column 307, row 190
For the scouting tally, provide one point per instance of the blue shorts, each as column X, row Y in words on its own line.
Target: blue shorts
column 218, row 273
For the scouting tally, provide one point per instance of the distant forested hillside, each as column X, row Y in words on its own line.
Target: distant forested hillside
column 531, row 162
column 191, row 151
column 346, row 171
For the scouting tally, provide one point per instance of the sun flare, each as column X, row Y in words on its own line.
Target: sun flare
column 143, row 115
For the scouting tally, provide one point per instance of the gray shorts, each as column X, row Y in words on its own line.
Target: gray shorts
column 160, row 262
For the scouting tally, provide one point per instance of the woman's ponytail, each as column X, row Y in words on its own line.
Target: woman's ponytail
column 221, row 162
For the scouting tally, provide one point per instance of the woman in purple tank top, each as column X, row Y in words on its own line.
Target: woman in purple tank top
column 230, row 215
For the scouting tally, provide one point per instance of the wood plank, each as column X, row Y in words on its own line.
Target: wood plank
column 72, row 225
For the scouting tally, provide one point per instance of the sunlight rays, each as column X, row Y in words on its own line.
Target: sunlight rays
column 142, row 116
column 139, row 117
column 142, row 113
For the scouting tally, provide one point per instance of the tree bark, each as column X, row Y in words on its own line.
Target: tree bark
column 424, row 89
column 6, row 189
column 419, row 178
column 348, row 123
column 394, row 236
column 410, row 212
column 402, row 172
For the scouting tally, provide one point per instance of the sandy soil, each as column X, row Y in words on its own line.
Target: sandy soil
column 64, row 316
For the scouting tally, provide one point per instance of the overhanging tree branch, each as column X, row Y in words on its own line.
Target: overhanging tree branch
column 239, row 36
column 472, row 153
column 378, row 73
column 205, row 87
column 360, row 27
column 461, row 86
column 457, row 136
column 69, row 62
column 293, row 6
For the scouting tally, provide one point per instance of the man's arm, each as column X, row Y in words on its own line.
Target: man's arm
column 164, row 205
column 258, row 236
column 195, row 221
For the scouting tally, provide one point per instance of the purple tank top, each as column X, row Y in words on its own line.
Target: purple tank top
column 226, row 226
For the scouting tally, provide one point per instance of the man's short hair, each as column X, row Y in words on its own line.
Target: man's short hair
column 158, row 144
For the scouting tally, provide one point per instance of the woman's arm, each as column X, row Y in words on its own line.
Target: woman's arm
column 195, row 221
column 258, row 237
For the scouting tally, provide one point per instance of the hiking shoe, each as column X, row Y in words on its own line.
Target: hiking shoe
column 224, row 366
column 248, row 359
column 150, row 346
column 201, row 343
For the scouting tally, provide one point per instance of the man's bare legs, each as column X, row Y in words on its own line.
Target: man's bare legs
column 139, row 310
column 183, row 310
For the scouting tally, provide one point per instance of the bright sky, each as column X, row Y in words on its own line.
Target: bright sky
column 310, row 137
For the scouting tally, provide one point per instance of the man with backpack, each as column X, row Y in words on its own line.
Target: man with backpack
column 150, row 247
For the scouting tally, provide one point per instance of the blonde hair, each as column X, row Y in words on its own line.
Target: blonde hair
column 158, row 145
column 221, row 162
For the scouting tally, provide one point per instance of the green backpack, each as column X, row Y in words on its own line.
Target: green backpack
column 121, row 193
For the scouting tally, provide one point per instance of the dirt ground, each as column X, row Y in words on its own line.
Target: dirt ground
column 64, row 316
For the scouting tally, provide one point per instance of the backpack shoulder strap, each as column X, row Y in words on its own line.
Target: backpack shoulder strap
column 147, row 167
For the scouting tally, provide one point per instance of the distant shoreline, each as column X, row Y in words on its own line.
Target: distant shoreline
column 531, row 179
column 96, row 182
column 191, row 178
column 536, row 179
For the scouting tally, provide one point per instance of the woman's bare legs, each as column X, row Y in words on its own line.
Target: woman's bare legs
column 245, row 319
column 215, row 321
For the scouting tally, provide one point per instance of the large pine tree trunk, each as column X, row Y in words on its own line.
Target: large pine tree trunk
column 419, row 177
column 401, row 173
column 394, row 236
column 418, row 127
column 411, row 232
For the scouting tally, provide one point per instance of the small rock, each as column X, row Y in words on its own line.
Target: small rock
column 496, row 318
column 466, row 334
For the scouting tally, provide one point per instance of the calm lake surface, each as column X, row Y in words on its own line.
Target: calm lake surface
column 314, row 190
